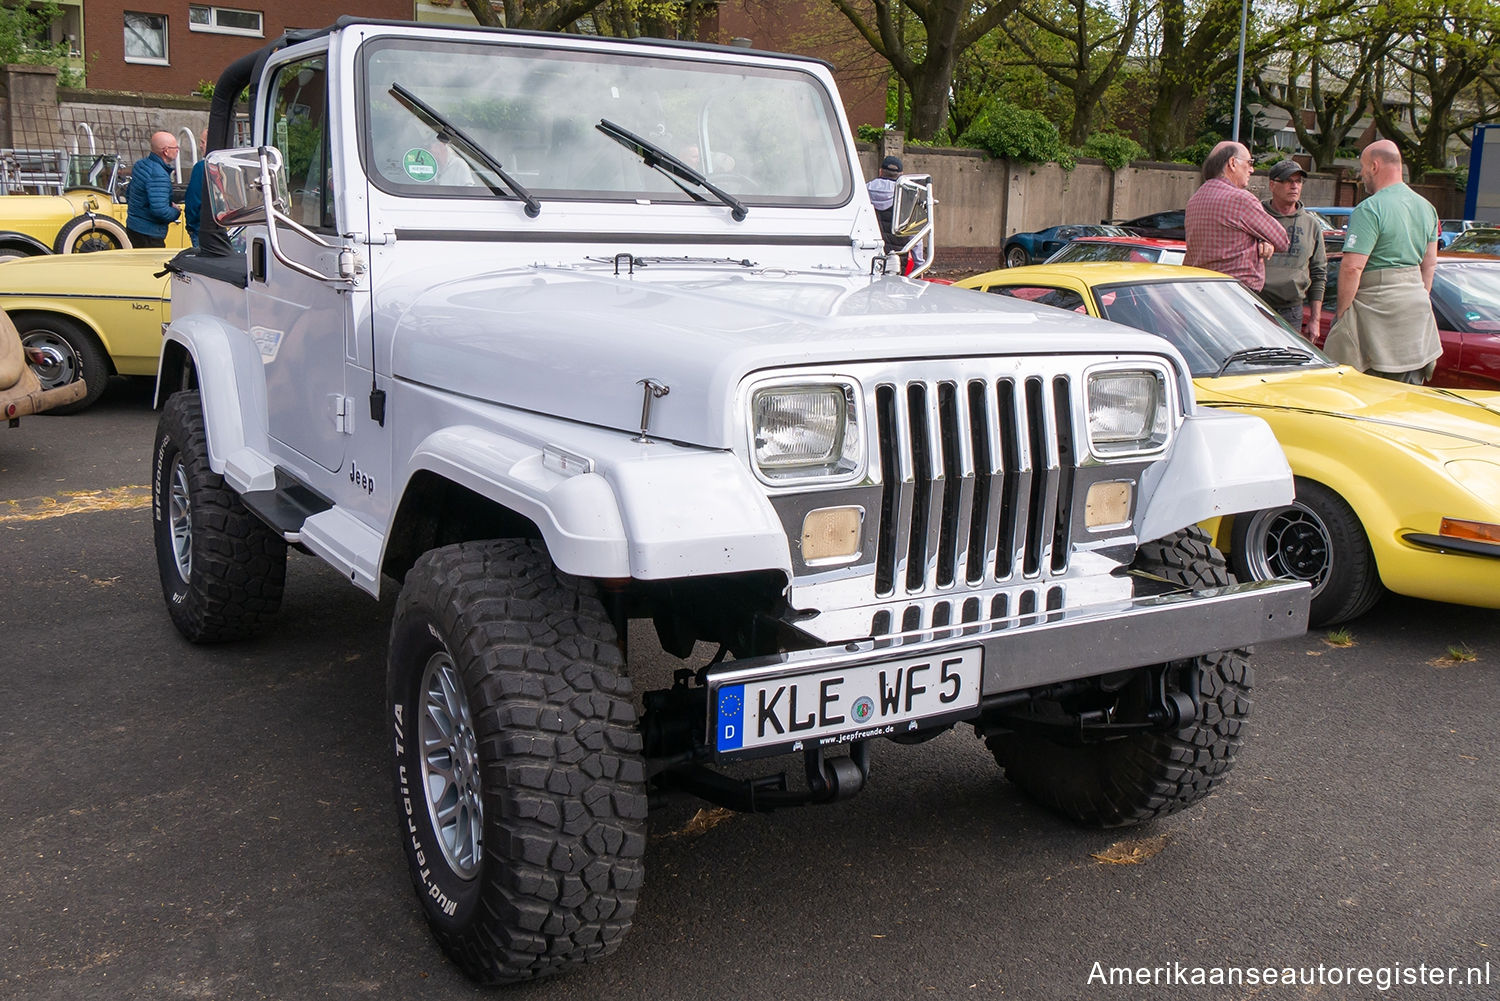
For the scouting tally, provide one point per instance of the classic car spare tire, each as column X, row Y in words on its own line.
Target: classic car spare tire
column 222, row 568
column 1016, row 256
column 1127, row 780
column 1317, row 538
column 520, row 788
column 68, row 352
column 86, row 234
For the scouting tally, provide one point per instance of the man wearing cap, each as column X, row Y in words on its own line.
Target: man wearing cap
column 882, row 191
column 1228, row 230
column 1297, row 275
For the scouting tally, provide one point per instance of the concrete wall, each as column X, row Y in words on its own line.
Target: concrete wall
column 982, row 201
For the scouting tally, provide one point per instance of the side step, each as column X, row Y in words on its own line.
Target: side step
column 288, row 506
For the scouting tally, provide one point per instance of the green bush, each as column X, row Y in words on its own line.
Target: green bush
column 869, row 133
column 1013, row 133
column 1196, row 153
column 1115, row 150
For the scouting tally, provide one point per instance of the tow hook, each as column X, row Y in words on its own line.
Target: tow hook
column 833, row 779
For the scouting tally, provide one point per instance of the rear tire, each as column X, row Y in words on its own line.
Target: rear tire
column 222, row 568
column 1128, row 780
column 1317, row 538
column 1016, row 256
column 71, row 353
column 88, row 234
column 520, row 788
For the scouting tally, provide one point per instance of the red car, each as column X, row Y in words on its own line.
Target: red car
column 1466, row 305
column 1137, row 249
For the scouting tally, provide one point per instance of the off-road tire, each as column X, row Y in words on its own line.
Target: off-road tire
column 87, row 235
column 73, row 353
column 222, row 568
column 533, row 740
column 1129, row 780
column 1317, row 538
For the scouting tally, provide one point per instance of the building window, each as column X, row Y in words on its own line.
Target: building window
column 145, row 38
column 224, row 20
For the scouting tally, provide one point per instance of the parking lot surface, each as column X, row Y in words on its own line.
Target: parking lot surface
column 217, row 822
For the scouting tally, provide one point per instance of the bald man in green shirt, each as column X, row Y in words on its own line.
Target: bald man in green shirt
column 1384, row 323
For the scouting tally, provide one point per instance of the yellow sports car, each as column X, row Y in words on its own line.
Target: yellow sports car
column 1397, row 487
column 88, row 216
column 88, row 317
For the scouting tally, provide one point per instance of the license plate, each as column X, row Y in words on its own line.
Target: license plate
column 766, row 715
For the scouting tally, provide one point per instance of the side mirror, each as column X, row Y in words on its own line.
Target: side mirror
column 911, row 217
column 236, row 191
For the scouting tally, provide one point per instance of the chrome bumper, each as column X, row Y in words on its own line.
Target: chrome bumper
column 1048, row 647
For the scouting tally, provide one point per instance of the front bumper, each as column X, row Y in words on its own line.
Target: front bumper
column 1052, row 646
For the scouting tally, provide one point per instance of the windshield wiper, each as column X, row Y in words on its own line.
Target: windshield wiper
column 659, row 159
column 1265, row 356
column 455, row 136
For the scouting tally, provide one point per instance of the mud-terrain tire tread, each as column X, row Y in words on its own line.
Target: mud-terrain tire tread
column 562, row 776
column 238, row 562
column 1137, row 778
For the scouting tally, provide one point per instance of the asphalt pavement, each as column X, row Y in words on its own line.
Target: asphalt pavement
column 217, row 822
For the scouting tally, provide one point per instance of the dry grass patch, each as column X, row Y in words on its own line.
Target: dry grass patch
column 1132, row 852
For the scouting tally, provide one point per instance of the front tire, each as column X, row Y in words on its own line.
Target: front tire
column 1317, row 538
column 1016, row 256
column 1129, row 780
column 69, row 353
column 222, row 569
column 88, row 234
column 520, row 788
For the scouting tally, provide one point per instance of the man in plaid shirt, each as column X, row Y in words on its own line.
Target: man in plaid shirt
column 1228, row 229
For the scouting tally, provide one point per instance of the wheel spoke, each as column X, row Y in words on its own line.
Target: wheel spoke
column 450, row 767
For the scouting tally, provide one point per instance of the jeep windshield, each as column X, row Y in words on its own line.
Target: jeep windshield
column 765, row 135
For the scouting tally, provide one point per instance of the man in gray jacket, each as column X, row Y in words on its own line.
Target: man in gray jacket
column 1299, row 274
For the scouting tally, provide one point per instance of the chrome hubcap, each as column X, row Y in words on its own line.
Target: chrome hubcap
column 450, row 767
column 180, row 520
column 1291, row 542
column 51, row 358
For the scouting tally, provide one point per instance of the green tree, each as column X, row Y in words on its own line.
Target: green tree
column 646, row 18
column 1089, row 48
column 535, row 15
column 925, row 59
column 1446, row 48
column 1323, row 74
column 25, row 38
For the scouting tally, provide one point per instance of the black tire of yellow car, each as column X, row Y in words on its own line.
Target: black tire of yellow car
column 1132, row 779
column 73, row 353
column 547, row 711
column 1016, row 256
column 1351, row 584
column 237, row 564
column 87, row 234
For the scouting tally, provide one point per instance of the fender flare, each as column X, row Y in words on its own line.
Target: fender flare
column 1221, row 463
column 686, row 513
column 231, row 383
column 10, row 237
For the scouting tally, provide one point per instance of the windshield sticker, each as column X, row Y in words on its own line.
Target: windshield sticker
column 419, row 164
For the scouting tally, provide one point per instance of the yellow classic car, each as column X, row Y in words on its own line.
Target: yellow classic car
column 86, row 217
column 87, row 318
column 1397, row 487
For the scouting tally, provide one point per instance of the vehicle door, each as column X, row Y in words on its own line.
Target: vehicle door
column 302, row 324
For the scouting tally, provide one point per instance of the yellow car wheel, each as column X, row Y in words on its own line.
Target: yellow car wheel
column 86, row 234
column 1317, row 538
column 63, row 352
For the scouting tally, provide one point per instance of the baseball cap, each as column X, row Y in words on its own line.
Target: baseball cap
column 891, row 163
column 1285, row 170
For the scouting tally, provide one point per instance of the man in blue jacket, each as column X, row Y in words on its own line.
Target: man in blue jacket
column 150, row 199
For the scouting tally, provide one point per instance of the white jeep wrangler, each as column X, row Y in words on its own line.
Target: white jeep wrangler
column 552, row 332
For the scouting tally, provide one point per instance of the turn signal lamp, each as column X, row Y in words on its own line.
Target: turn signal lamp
column 831, row 534
column 1474, row 531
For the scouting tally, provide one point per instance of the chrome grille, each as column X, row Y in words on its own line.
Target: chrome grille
column 977, row 482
